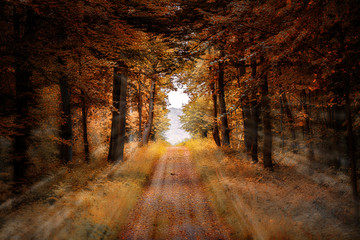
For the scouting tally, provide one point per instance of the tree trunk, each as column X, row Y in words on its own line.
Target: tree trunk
column 245, row 109
column 66, row 132
column 254, row 126
column 246, row 114
column 290, row 118
column 140, row 111
column 117, row 141
column 215, row 125
column 123, row 111
column 84, row 112
column 21, row 139
column 265, row 103
column 307, row 130
column 225, row 131
column 24, row 99
column 147, row 129
column 254, row 118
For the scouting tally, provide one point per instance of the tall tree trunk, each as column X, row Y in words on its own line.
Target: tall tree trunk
column 243, row 103
column 84, row 112
column 265, row 103
column 281, row 124
column 117, row 140
column 215, row 110
column 123, row 111
column 140, row 111
column 246, row 114
column 21, row 139
column 254, row 117
column 254, row 127
column 290, row 118
column 24, row 99
column 305, row 100
column 147, row 129
column 225, row 131
column 351, row 150
column 66, row 132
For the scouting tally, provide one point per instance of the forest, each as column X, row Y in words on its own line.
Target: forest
column 274, row 119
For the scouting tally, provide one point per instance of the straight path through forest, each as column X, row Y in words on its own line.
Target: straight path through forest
column 174, row 205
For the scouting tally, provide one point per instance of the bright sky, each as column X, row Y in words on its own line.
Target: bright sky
column 178, row 98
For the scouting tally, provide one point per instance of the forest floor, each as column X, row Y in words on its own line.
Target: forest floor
column 82, row 202
column 289, row 203
column 174, row 205
column 199, row 191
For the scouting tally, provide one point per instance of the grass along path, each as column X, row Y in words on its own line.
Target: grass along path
column 86, row 203
column 284, row 204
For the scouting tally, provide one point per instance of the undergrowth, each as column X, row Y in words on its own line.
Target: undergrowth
column 86, row 202
column 285, row 204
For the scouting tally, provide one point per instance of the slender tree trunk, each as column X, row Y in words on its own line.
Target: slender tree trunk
column 351, row 150
column 140, row 111
column 21, row 139
column 265, row 102
column 66, row 132
column 84, row 114
column 117, row 141
column 290, row 118
column 246, row 114
column 254, row 118
column 215, row 125
column 24, row 98
column 281, row 124
column 147, row 129
column 123, row 111
column 254, row 125
column 115, row 123
column 225, row 131
column 245, row 109
column 305, row 100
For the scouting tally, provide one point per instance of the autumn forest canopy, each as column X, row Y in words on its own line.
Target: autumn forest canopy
column 85, row 82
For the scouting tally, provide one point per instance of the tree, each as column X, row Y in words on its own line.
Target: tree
column 117, row 140
column 196, row 118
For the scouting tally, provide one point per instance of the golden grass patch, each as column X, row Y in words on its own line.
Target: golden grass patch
column 87, row 202
column 285, row 204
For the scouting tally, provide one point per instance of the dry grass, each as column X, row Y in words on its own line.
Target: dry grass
column 285, row 204
column 86, row 202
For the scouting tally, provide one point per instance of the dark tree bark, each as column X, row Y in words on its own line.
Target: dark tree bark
column 122, row 110
column 140, row 111
column 84, row 112
column 147, row 129
column 215, row 110
column 21, row 139
column 254, row 127
column 290, row 118
column 265, row 103
column 305, row 100
column 117, row 140
column 66, row 132
column 254, row 118
column 246, row 114
column 244, row 100
column 225, row 131
column 23, row 31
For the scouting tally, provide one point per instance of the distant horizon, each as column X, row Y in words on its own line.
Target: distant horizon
column 175, row 134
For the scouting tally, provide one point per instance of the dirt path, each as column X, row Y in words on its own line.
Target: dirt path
column 174, row 205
